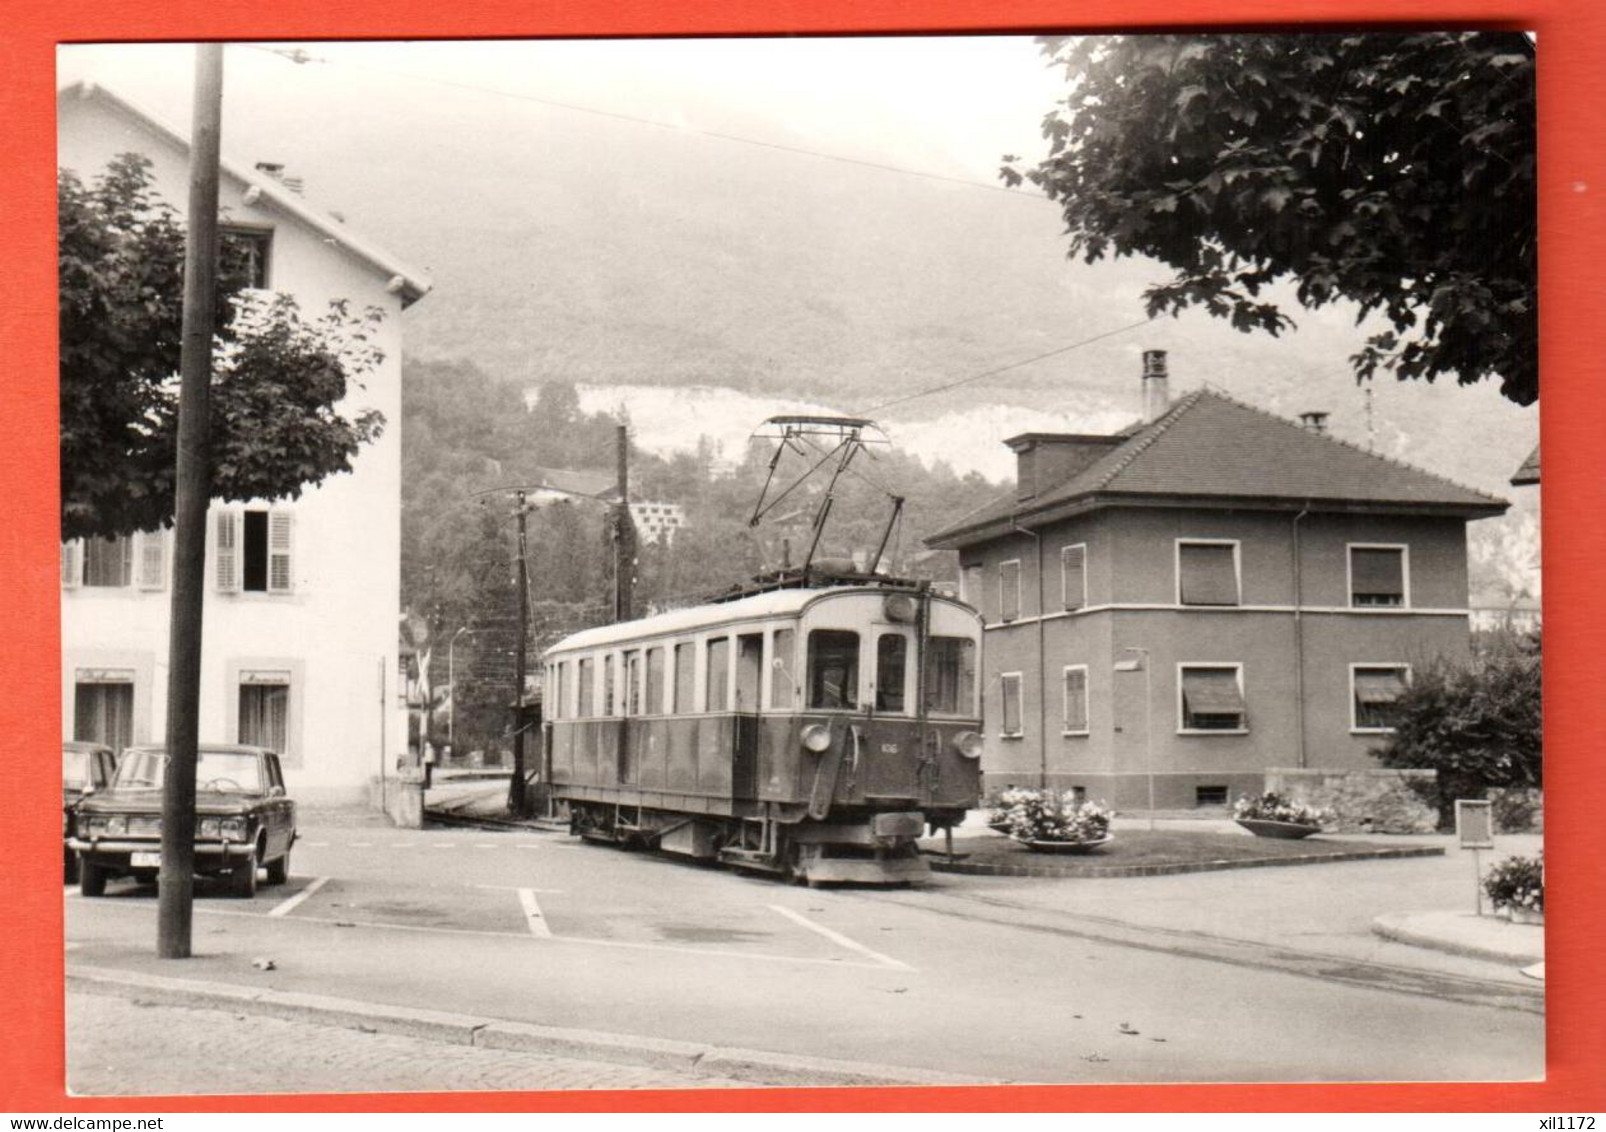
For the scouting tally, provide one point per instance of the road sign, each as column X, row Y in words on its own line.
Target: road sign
column 1474, row 824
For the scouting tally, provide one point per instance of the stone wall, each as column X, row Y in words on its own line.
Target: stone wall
column 1363, row 801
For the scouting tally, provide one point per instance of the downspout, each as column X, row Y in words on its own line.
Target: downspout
column 1042, row 661
column 1299, row 637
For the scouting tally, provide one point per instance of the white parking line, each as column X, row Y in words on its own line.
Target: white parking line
column 527, row 845
column 284, row 908
column 532, row 914
column 838, row 938
column 486, row 845
column 312, row 844
column 519, row 888
column 444, row 845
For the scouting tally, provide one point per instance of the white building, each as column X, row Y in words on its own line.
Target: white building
column 303, row 596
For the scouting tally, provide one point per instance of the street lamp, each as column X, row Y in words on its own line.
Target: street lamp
column 1141, row 662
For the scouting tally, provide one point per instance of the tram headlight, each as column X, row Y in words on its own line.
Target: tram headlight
column 816, row 737
column 968, row 743
column 899, row 608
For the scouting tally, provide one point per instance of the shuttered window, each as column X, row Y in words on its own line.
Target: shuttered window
column 1207, row 573
column 1212, row 699
column 1073, row 575
column 152, row 560
column 1008, row 591
column 109, row 561
column 1375, row 691
column 1076, row 699
column 1377, row 576
column 280, row 529
column 72, row 564
column 226, row 545
column 1009, row 692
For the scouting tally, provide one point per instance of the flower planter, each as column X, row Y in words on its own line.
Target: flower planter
column 1524, row 915
column 1286, row 830
column 1065, row 846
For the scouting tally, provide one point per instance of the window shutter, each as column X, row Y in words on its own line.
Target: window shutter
column 1377, row 573
column 281, row 579
column 1209, row 574
column 152, row 560
column 1379, row 685
column 228, row 552
column 1008, row 591
column 72, row 564
column 1073, row 567
column 1076, row 699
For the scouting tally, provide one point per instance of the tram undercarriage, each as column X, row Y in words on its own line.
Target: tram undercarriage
column 873, row 848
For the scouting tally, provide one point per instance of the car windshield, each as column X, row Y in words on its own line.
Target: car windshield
column 75, row 769
column 231, row 771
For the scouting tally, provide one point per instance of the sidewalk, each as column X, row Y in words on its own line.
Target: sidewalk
column 1468, row 934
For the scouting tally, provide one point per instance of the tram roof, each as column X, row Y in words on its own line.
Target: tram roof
column 772, row 603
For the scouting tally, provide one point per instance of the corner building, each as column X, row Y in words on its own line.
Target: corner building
column 1210, row 593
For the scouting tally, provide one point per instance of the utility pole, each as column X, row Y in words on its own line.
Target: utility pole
column 515, row 799
column 624, row 536
column 176, row 896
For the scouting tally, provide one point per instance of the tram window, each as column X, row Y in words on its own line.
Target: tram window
column 654, row 704
column 833, row 669
column 719, row 666
column 588, row 687
column 557, row 703
column 685, row 678
column 749, row 670
column 783, row 679
column 609, row 705
column 633, row 676
column 951, row 675
column 891, row 653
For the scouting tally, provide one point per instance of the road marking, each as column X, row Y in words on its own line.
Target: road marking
column 532, row 914
column 527, row 845
column 284, row 908
column 444, row 845
column 312, row 844
column 486, row 845
column 841, row 940
column 519, row 888
column 359, row 844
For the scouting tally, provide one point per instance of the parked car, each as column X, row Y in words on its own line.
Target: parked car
column 85, row 768
column 243, row 819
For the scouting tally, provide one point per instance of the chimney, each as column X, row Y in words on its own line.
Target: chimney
column 1156, row 385
column 1044, row 460
column 1315, row 421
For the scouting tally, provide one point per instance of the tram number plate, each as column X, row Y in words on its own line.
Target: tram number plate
column 145, row 860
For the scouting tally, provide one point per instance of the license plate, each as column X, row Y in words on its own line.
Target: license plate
column 145, row 860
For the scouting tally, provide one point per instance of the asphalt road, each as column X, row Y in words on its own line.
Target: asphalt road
column 1263, row 975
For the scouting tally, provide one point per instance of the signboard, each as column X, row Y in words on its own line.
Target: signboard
column 1474, row 824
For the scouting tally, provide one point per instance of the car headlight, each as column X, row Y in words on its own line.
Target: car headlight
column 206, row 827
column 233, row 828
column 968, row 744
column 816, row 737
column 116, row 825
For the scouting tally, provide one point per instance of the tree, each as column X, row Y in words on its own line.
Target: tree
column 1477, row 725
column 1394, row 171
column 277, row 376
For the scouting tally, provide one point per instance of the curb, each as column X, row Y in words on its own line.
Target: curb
column 1397, row 927
column 939, row 865
column 758, row 1067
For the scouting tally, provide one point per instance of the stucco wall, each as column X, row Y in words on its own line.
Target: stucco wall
column 1132, row 603
column 339, row 626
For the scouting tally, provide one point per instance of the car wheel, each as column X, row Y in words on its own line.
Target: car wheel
column 91, row 878
column 279, row 871
column 243, row 877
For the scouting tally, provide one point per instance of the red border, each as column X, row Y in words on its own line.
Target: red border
column 1572, row 104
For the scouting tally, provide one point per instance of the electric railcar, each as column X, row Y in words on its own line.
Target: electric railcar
column 812, row 733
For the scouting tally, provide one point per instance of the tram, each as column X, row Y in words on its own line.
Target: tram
column 813, row 728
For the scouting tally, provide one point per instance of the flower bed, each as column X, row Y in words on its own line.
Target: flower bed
column 1049, row 816
column 1273, row 807
column 1518, row 884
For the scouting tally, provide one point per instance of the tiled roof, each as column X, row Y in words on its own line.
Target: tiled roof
column 1528, row 474
column 1217, row 450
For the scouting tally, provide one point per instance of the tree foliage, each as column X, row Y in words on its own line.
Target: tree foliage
column 1394, row 171
column 278, row 378
column 1478, row 725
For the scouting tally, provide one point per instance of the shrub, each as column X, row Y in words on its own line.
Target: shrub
column 1517, row 810
column 1272, row 806
column 1477, row 725
column 1517, row 882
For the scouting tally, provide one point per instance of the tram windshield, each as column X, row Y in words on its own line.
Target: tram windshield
column 833, row 669
column 951, row 676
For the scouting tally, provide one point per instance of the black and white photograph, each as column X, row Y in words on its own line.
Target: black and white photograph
column 735, row 563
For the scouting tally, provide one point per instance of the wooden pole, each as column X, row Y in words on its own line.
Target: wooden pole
column 193, row 488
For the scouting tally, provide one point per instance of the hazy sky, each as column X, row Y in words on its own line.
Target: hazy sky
column 950, row 106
